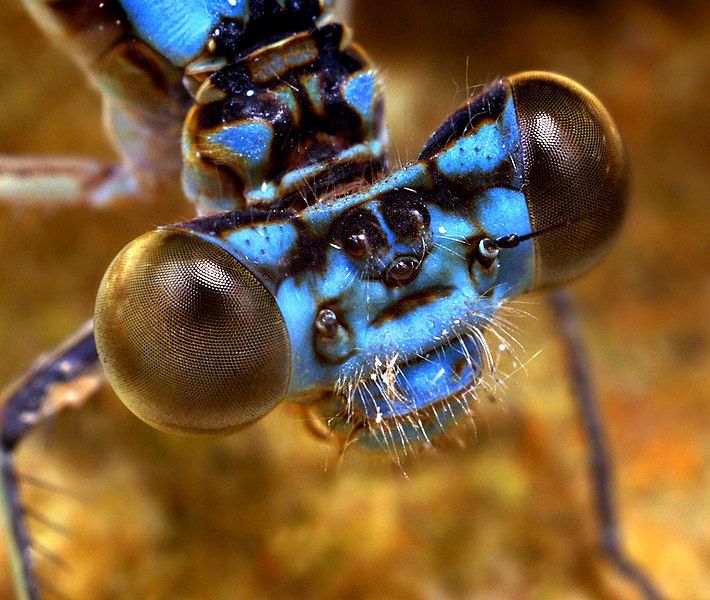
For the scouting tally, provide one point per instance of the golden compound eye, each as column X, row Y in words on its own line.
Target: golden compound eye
column 190, row 339
column 575, row 173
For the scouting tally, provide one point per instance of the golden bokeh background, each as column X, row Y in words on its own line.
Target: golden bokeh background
column 268, row 513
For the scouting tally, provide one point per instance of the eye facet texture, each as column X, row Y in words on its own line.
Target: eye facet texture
column 575, row 173
column 190, row 339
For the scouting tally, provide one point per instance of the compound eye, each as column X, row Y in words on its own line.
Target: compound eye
column 189, row 338
column 575, row 173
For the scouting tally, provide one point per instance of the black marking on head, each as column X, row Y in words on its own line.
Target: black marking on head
column 475, row 113
column 217, row 224
column 411, row 303
column 406, row 214
column 461, row 195
column 310, row 254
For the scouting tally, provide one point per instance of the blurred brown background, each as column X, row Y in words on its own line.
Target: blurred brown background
column 267, row 513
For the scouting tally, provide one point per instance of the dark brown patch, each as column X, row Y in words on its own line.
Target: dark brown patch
column 409, row 304
column 459, row 366
column 217, row 224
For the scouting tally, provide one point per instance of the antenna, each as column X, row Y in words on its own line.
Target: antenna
column 512, row 240
column 488, row 248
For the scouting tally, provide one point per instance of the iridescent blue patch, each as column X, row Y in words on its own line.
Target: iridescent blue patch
column 359, row 92
column 180, row 29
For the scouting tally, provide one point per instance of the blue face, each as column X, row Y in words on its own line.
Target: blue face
column 395, row 320
column 389, row 310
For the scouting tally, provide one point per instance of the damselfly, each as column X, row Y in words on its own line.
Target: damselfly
column 314, row 274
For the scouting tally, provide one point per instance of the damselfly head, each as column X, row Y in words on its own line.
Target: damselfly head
column 190, row 339
column 377, row 306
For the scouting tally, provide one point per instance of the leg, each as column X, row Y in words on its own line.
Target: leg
column 65, row 378
column 63, row 180
column 599, row 460
column 344, row 11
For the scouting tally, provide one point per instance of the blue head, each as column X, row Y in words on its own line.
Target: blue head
column 370, row 308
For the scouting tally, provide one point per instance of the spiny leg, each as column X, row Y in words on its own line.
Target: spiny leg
column 599, row 456
column 63, row 180
column 65, row 378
